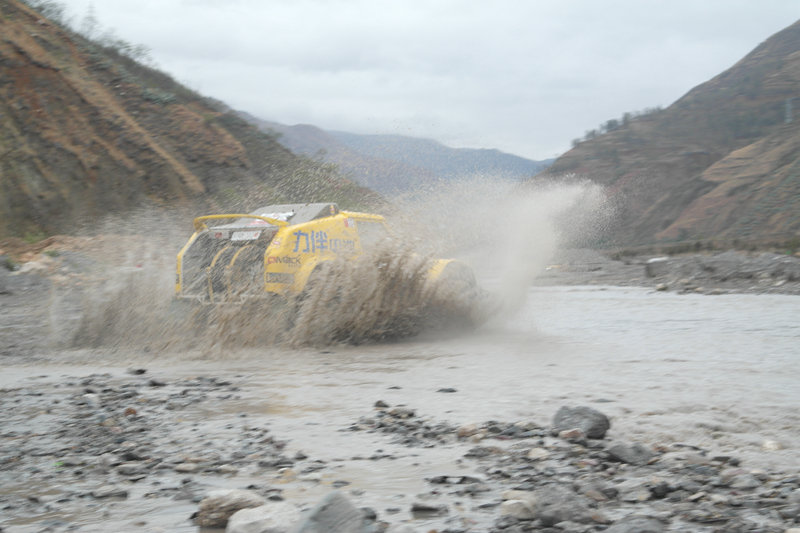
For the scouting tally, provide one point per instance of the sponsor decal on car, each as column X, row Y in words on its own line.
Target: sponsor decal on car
column 318, row 241
column 245, row 235
column 283, row 260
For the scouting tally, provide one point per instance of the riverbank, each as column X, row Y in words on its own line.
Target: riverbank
column 729, row 272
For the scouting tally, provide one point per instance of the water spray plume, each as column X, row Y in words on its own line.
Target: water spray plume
column 506, row 232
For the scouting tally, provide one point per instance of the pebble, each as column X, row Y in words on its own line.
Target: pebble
column 517, row 509
column 109, row 491
column 635, row 453
column 428, row 509
column 186, row 468
column 216, row 508
column 771, row 446
column 130, row 469
column 537, row 454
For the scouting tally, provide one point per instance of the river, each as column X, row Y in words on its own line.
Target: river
column 719, row 373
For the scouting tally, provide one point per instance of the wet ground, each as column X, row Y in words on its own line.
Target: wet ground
column 130, row 439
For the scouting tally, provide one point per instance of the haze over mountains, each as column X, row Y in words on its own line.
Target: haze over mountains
column 391, row 164
column 86, row 131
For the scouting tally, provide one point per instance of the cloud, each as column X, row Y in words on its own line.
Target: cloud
column 524, row 77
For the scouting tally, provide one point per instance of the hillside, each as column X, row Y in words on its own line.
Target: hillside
column 721, row 164
column 396, row 163
column 86, row 131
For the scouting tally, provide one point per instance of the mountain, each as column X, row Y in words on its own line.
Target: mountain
column 721, row 164
column 86, row 131
column 395, row 163
column 379, row 174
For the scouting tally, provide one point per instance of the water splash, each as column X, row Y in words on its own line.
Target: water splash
column 506, row 232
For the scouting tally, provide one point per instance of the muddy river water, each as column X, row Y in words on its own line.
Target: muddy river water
column 718, row 372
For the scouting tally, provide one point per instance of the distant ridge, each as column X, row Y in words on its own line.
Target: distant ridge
column 395, row 163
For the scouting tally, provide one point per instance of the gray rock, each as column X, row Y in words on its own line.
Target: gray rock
column 593, row 423
column 657, row 266
column 216, row 508
column 272, row 517
column 529, row 497
column 4, row 275
column 518, row 509
column 744, row 482
column 635, row 490
column 333, row 514
column 131, row 469
column 109, row 491
column 732, row 265
column 786, row 267
column 634, row 454
column 402, row 412
column 556, row 504
column 637, row 524
column 186, row 468
column 428, row 509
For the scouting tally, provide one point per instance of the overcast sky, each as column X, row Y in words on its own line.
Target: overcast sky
column 525, row 77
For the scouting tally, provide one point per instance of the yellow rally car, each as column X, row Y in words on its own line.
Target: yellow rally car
column 278, row 249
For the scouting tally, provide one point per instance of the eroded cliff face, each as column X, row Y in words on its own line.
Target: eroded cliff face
column 755, row 194
column 721, row 163
column 86, row 131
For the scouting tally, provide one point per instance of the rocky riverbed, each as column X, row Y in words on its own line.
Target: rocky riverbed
column 145, row 436
column 702, row 273
column 90, row 453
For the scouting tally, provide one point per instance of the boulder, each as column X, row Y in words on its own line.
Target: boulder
column 333, row 514
column 216, row 508
column 272, row 517
column 593, row 423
